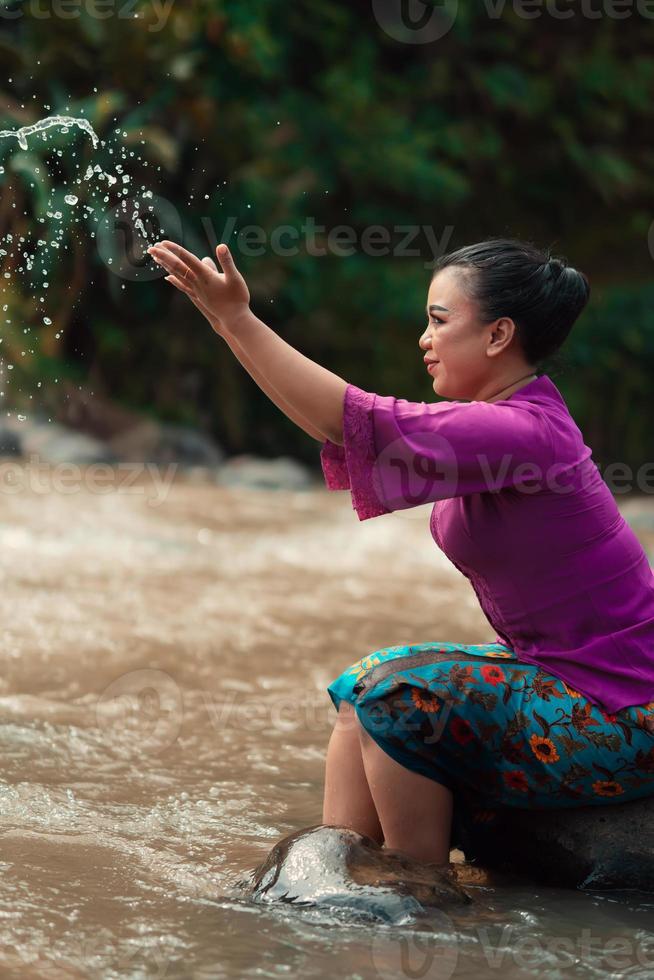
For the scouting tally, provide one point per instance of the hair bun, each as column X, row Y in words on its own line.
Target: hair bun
column 507, row 277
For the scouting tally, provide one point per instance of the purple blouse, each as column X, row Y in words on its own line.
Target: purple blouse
column 522, row 511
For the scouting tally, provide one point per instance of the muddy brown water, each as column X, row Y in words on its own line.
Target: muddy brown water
column 165, row 720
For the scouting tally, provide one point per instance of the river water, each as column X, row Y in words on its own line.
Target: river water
column 164, row 722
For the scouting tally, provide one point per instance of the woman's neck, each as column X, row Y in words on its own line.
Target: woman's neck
column 508, row 389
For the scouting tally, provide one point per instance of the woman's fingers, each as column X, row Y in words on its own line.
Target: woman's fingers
column 201, row 279
column 181, row 284
column 227, row 263
column 183, row 254
column 171, row 263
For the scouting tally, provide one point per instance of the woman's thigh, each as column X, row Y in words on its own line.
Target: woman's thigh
column 497, row 731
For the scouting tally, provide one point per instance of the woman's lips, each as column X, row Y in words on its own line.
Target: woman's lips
column 432, row 365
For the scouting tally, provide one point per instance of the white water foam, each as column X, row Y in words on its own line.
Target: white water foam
column 38, row 127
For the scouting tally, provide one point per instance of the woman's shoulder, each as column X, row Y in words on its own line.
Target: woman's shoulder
column 542, row 397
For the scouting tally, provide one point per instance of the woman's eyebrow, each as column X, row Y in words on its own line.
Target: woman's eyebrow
column 433, row 307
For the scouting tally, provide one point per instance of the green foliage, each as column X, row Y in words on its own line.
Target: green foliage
column 270, row 113
column 607, row 379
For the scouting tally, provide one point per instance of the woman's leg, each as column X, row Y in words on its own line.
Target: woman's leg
column 347, row 800
column 415, row 812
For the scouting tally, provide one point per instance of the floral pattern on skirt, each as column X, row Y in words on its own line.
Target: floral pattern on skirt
column 498, row 731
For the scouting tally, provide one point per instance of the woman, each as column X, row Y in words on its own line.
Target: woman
column 558, row 710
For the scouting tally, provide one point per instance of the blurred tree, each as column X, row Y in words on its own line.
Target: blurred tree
column 274, row 114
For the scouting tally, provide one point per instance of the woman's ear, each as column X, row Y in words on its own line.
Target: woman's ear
column 501, row 335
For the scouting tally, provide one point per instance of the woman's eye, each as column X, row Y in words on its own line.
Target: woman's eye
column 437, row 319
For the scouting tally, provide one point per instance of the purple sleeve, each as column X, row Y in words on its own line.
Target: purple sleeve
column 350, row 466
column 398, row 454
column 334, row 468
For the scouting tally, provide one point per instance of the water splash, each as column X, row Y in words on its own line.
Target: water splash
column 89, row 193
column 38, row 127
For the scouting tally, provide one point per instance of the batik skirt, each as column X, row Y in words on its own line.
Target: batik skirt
column 498, row 731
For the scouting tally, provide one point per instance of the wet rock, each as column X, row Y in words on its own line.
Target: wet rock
column 601, row 846
column 337, row 868
column 282, row 473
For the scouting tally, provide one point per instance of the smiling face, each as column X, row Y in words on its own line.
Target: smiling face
column 472, row 357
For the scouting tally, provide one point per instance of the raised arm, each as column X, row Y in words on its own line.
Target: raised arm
column 272, row 393
column 312, row 393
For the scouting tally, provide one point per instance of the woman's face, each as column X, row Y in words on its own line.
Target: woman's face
column 463, row 347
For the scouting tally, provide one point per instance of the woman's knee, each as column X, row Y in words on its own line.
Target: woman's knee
column 346, row 720
column 350, row 722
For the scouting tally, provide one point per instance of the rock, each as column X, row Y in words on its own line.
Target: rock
column 282, row 473
column 136, row 438
column 52, row 443
column 150, row 442
column 10, row 442
column 96, row 415
column 337, row 868
column 607, row 845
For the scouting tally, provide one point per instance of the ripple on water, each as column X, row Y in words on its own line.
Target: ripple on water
column 132, row 806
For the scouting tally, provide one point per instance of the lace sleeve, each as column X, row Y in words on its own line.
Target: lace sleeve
column 351, row 466
column 334, row 468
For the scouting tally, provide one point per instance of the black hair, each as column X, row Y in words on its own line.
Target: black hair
column 542, row 294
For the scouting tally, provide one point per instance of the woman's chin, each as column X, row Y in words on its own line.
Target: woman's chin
column 441, row 387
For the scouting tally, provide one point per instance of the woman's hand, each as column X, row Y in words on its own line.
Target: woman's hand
column 223, row 297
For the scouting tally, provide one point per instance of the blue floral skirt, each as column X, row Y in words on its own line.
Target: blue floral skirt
column 498, row 731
